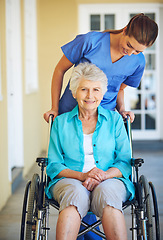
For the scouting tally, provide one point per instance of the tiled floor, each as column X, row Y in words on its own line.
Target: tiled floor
column 10, row 216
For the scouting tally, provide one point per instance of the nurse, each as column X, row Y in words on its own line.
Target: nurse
column 119, row 53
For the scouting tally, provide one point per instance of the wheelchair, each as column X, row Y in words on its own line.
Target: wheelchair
column 144, row 207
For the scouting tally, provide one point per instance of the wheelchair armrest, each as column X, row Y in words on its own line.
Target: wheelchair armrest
column 137, row 162
column 42, row 161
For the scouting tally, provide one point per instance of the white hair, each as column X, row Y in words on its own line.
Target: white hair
column 90, row 72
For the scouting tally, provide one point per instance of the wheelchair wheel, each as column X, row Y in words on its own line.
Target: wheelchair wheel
column 24, row 211
column 155, row 214
column 146, row 222
column 32, row 208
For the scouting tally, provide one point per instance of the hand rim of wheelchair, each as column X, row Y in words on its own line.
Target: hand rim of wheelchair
column 155, row 210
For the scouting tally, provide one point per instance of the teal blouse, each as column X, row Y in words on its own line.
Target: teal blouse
column 111, row 146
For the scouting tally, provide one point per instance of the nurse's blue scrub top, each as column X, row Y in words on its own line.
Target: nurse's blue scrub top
column 94, row 47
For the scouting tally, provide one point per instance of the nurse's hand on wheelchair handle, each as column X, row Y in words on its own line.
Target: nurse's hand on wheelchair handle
column 128, row 113
column 50, row 112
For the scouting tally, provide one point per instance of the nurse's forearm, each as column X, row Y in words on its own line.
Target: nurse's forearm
column 63, row 65
column 56, row 87
column 121, row 105
column 120, row 101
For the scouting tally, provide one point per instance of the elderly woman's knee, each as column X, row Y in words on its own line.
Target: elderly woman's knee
column 98, row 195
column 79, row 192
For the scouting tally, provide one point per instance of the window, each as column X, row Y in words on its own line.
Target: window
column 143, row 101
column 31, row 75
column 106, row 21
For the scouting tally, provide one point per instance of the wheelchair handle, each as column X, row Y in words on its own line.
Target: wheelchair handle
column 49, row 130
column 129, row 133
column 51, row 120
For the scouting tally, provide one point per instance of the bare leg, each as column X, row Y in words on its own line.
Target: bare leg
column 68, row 224
column 114, row 224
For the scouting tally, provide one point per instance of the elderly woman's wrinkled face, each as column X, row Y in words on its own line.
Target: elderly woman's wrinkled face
column 89, row 94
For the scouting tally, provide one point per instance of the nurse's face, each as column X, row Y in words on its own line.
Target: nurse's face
column 89, row 94
column 129, row 45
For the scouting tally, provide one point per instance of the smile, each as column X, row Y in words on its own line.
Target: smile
column 124, row 51
column 89, row 102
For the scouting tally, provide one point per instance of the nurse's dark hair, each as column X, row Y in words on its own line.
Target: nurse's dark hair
column 142, row 28
column 90, row 72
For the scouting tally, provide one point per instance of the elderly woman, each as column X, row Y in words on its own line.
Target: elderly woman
column 89, row 159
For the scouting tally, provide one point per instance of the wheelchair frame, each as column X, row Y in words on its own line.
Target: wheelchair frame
column 144, row 208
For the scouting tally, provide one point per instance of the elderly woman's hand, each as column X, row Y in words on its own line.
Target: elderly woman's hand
column 90, row 183
column 97, row 174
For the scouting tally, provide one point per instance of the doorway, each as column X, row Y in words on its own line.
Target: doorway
column 14, row 86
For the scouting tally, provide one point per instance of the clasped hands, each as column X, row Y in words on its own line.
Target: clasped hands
column 92, row 178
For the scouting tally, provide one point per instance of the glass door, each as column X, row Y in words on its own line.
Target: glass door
column 144, row 100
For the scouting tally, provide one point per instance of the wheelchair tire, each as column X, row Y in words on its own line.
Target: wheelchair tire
column 147, row 206
column 24, row 211
column 155, row 213
column 32, row 208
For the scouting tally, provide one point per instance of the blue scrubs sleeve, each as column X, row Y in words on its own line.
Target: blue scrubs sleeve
column 76, row 50
column 134, row 79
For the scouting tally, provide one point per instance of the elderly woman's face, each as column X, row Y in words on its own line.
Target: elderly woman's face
column 89, row 94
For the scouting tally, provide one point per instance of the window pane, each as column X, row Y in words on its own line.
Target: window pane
column 150, row 15
column 153, row 47
column 133, row 14
column 150, row 61
column 150, row 121
column 135, row 101
column 137, row 122
column 140, row 86
column 149, row 81
column 150, row 102
column 95, row 22
column 110, row 21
